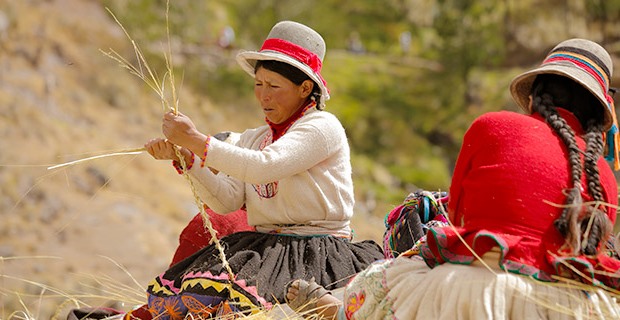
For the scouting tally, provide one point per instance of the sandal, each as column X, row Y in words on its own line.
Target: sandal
column 309, row 293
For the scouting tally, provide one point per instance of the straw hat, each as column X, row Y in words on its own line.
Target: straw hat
column 581, row 60
column 293, row 43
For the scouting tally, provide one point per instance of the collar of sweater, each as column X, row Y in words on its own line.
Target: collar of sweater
column 279, row 129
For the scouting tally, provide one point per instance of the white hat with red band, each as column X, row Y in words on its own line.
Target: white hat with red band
column 293, row 43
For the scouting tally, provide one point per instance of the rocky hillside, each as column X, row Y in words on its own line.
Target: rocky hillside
column 98, row 231
column 101, row 228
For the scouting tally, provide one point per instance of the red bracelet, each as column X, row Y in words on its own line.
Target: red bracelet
column 177, row 165
column 203, row 159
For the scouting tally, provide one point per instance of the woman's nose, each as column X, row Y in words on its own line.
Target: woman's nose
column 263, row 95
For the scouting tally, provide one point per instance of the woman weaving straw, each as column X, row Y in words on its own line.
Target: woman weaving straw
column 532, row 202
column 293, row 175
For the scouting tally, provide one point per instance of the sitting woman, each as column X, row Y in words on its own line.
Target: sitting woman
column 293, row 175
column 532, row 203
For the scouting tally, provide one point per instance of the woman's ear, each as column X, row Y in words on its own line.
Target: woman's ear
column 305, row 89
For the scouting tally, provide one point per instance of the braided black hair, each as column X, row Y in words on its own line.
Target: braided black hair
column 583, row 232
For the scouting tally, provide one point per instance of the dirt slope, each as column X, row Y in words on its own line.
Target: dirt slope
column 69, row 229
column 104, row 227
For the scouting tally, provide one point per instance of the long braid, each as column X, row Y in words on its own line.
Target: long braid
column 567, row 224
column 599, row 225
column 576, row 222
column 594, row 150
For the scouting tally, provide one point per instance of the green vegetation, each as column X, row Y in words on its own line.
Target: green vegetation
column 405, row 108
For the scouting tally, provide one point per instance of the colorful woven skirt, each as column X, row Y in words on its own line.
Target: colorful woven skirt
column 263, row 265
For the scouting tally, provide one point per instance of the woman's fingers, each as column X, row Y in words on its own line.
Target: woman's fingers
column 293, row 291
column 160, row 149
column 178, row 128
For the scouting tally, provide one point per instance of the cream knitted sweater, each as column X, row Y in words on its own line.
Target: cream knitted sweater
column 300, row 184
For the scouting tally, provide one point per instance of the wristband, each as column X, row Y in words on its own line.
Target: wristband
column 177, row 164
column 203, row 159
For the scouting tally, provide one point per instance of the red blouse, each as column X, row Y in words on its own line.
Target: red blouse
column 507, row 190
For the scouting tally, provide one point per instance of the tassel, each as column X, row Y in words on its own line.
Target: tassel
column 611, row 137
column 611, row 140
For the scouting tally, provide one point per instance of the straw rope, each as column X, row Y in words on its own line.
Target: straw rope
column 205, row 218
column 159, row 89
column 116, row 153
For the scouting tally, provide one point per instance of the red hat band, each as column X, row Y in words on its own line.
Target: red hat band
column 300, row 53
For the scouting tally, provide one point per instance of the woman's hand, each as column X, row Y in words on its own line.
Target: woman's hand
column 180, row 130
column 162, row 149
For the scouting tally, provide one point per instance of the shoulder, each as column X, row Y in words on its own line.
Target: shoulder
column 323, row 120
column 321, row 125
column 500, row 118
column 502, row 123
column 322, row 128
column 320, row 115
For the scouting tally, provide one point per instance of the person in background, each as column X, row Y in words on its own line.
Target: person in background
column 293, row 176
column 532, row 205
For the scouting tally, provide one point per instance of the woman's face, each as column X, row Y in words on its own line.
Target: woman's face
column 278, row 96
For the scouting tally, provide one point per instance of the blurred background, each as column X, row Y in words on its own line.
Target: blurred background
column 407, row 77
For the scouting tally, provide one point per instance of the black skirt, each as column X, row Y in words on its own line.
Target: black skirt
column 263, row 265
